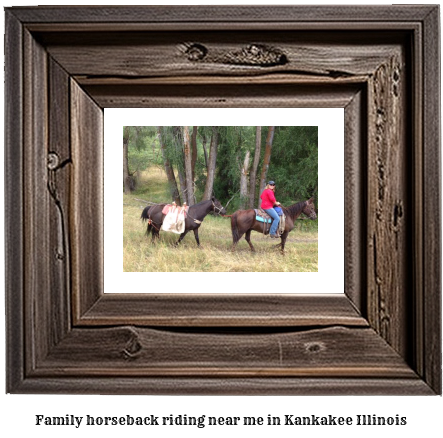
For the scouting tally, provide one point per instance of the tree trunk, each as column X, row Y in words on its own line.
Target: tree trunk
column 204, row 140
column 211, row 167
column 188, row 165
column 179, row 150
column 127, row 186
column 194, row 150
column 244, row 198
column 267, row 159
column 168, row 168
column 253, row 175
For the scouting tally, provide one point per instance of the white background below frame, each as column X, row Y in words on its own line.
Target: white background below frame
column 330, row 275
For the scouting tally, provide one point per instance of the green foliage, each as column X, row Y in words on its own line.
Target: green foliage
column 294, row 163
column 234, row 142
column 173, row 142
column 143, row 148
column 138, row 160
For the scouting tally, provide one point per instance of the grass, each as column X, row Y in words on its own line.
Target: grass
column 214, row 254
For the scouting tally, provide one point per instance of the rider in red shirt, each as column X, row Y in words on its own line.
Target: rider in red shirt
column 267, row 204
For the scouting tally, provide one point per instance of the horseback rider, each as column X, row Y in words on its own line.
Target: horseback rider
column 267, row 204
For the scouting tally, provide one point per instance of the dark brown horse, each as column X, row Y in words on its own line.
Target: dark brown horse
column 194, row 217
column 243, row 222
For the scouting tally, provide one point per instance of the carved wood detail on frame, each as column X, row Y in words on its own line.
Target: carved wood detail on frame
column 64, row 65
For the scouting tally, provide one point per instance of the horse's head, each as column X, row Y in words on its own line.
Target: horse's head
column 217, row 207
column 309, row 209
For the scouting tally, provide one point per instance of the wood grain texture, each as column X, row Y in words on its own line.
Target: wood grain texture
column 225, row 53
column 418, row 242
column 289, row 386
column 59, row 168
column 222, row 14
column 231, row 310
column 317, row 95
column 388, row 203
column 37, row 257
column 431, row 316
column 14, row 203
column 355, row 189
column 129, row 351
column 64, row 335
column 86, row 208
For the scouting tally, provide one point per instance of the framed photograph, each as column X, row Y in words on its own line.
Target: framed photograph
column 300, row 158
column 376, row 332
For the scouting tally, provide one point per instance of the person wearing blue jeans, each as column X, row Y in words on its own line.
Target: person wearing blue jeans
column 268, row 202
column 275, row 222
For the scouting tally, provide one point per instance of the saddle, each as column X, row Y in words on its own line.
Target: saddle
column 262, row 216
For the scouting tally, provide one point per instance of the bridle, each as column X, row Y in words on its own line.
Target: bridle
column 217, row 208
column 311, row 214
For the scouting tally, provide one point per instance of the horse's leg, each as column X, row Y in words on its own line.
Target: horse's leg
column 236, row 234
column 196, row 237
column 182, row 235
column 154, row 233
column 157, row 235
column 248, row 239
column 283, row 241
column 236, row 239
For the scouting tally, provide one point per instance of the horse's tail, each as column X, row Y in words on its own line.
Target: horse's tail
column 144, row 217
column 234, row 228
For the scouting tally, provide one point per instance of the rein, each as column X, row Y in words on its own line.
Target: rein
column 219, row 210
column 294, row 209
column 216, row 210
column 198, row 221
column 152, row 224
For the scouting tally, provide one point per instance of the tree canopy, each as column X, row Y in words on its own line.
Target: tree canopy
column 221, row 159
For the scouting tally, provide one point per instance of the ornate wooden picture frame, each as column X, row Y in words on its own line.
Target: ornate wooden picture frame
column 64, row 65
